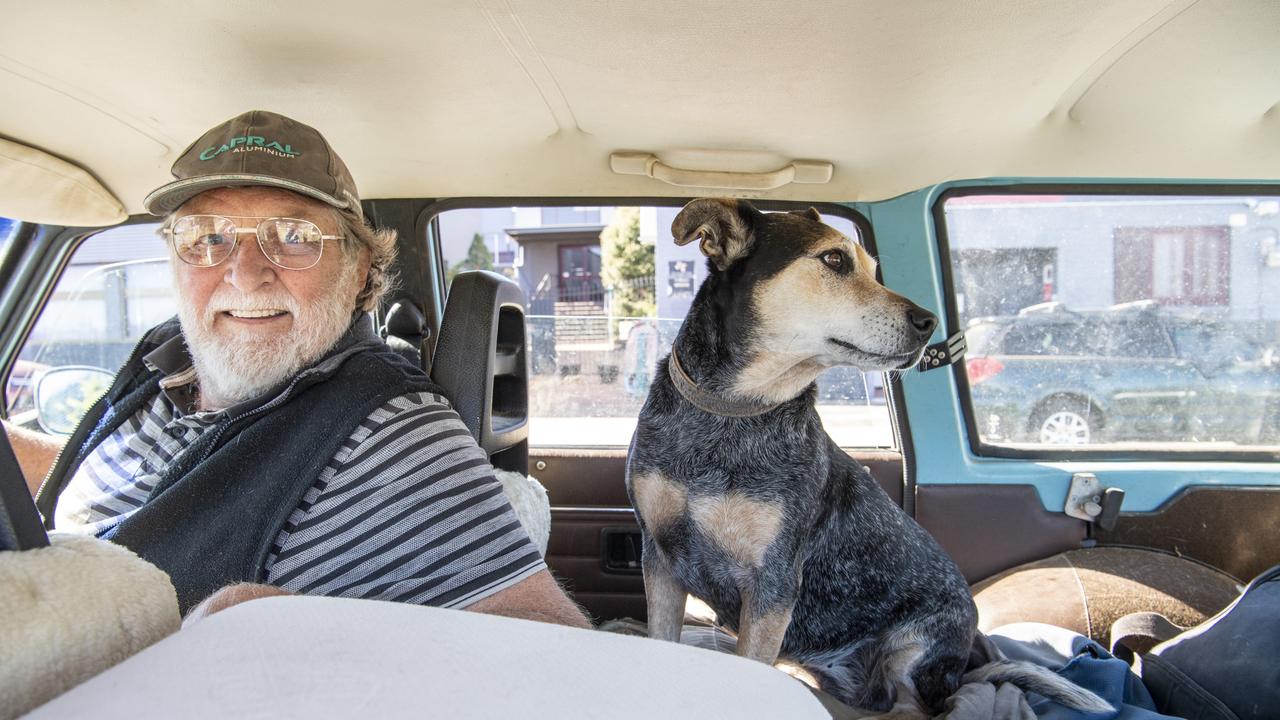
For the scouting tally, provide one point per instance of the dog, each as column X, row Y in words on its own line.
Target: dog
column 745, row 502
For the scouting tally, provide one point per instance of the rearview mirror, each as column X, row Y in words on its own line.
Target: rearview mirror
column 63, row 395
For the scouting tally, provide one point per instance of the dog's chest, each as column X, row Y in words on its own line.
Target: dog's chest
column 731, row 525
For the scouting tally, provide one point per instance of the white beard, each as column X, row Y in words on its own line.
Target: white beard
column 234, row 365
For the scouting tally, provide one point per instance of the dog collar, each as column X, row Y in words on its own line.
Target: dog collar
column 708, row 401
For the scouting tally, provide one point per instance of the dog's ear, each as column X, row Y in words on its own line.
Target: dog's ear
column 812, row 213
column 721, row 226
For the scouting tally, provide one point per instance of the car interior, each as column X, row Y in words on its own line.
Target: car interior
column 1006, row 164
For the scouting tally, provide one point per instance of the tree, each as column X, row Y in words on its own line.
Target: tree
column 478, row 258
column 627, row 266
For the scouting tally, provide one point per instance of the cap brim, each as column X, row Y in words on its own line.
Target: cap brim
column 169, row 197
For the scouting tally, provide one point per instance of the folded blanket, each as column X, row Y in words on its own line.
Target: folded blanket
column 1070, row 654
column 72, row 610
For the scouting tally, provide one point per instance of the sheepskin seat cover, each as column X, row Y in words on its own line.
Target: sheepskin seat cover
column 72, row 610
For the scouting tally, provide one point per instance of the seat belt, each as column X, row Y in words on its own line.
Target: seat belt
column 20, row 526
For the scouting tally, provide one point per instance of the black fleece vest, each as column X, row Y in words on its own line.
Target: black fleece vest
column 218, row 507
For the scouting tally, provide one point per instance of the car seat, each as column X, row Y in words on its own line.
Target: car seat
column 406, row 332
column 479, row 363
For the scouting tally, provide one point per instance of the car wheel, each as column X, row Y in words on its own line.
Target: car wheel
column 1065, row 422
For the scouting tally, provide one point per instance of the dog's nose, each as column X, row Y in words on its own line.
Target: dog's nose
column 923, row 321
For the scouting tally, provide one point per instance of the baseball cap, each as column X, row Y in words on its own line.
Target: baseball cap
column 259, row 147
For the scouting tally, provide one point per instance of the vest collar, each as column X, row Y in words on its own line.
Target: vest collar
column 172, row 360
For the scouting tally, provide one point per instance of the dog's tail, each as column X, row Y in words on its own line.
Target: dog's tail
column 1030, row 677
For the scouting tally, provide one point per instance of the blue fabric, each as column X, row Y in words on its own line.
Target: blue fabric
column 1081, row 661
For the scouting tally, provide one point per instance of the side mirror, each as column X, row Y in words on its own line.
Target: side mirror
column 64, row 394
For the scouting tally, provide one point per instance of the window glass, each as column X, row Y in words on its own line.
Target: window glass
column 1050, row 338
column 1120, row 322
column 117, row 285
column 607, row 290
column 7, row 229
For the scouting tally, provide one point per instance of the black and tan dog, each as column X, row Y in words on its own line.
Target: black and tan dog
column 746, row 503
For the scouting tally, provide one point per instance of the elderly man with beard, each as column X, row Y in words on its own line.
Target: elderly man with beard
column 266, row 441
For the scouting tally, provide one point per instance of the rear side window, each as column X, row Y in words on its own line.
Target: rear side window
column 1133, row 322
column 1146, row 337
column 606, row 290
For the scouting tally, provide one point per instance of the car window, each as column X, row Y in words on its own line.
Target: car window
column 1216, row 343
column 7, row 228
column 606, row 291
column 1136, row 322
column 984, row 337
column 1143, row 337
column 116, row 286
column 1056, row 338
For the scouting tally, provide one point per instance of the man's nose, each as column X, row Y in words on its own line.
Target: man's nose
column 247, row 268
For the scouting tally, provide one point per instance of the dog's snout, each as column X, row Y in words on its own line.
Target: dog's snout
column 922, row 321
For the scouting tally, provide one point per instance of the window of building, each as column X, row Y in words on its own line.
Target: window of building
column 1174, row 266
column 1118, row 322
column 599, row 321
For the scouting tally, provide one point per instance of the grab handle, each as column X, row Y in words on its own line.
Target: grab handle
column 648, row 164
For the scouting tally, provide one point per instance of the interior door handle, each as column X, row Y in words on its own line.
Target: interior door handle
column 620, row 551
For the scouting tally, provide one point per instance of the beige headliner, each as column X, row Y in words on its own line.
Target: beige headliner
column 529, row 97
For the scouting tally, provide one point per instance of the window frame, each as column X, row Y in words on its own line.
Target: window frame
column 428, row 231
column 951, row 317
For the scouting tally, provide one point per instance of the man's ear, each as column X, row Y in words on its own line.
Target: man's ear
column 364, row 263
column 721, row 226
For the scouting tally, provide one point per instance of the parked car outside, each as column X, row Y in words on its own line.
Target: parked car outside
column 1053, row 376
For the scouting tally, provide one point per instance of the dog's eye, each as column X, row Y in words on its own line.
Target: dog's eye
column 835, row 260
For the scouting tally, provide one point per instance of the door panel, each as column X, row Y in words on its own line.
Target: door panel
column 575, row 555
column 989, row 528
column 1231, row 528
column 581, row 478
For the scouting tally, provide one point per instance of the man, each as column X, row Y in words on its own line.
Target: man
column 266, row 435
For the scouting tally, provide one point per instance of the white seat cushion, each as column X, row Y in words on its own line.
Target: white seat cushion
column 318, row 657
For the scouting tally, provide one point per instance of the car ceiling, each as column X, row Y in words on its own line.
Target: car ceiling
column 530, row 97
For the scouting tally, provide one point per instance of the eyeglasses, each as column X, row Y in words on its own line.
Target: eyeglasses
column 206, row 240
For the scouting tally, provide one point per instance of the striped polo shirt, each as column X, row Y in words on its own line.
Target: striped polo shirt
column 408, row 508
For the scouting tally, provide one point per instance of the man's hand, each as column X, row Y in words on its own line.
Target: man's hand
column 537, row 597
column 35, row 452
column 228, row 596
